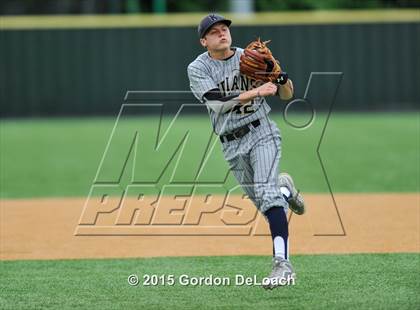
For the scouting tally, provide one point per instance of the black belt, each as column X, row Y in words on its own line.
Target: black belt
column 240, row 132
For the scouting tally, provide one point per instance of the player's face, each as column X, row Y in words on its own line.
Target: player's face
column 217, row 38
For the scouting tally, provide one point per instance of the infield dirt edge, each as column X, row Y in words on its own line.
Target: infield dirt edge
column 373, row 223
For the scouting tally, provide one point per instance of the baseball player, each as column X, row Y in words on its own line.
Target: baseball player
column 251, row 142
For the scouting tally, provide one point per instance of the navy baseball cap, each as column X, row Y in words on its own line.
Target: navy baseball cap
column 209, row 21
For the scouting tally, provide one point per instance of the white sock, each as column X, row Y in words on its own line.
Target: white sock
column 280, row 248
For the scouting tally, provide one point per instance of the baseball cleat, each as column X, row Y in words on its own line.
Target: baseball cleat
column 296, row 202
column 281, row 275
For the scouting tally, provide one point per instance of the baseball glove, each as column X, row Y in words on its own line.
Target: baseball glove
column 258, row 62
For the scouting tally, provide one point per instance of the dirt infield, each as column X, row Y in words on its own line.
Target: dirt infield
column 49, row 229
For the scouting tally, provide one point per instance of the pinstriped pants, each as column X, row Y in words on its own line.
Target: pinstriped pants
column 254, row 160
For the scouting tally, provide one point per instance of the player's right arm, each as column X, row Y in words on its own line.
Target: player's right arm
column 219, row 103
column 207, row 91
column 222, row 104
column 267, row 89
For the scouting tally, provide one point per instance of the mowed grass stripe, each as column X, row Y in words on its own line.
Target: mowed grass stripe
column 368, row 281
column 360, row 152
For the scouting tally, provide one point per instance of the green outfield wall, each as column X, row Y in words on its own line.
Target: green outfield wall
column 86, row 70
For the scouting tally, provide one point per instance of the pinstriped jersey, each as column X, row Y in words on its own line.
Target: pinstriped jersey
column 206, row 73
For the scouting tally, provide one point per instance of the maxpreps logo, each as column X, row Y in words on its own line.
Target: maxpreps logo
column 157, row 177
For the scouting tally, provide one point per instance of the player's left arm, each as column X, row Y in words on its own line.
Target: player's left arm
column 286, row 91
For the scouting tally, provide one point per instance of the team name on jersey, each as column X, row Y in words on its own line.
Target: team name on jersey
column 238, row 83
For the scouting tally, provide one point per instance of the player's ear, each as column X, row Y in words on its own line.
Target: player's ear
column 203, row 42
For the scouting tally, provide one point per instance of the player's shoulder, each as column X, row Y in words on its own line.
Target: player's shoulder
column 200, row 62
column 238, row 51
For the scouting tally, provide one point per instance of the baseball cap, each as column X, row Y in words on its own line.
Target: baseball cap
column 209, row 21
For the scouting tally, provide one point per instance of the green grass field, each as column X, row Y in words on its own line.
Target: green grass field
column 60, row 157
column 381, row 281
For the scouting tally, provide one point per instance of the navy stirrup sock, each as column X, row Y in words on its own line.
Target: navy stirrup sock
column 279, row 228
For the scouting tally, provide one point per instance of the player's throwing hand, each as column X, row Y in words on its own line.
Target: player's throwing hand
column 267, row 89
